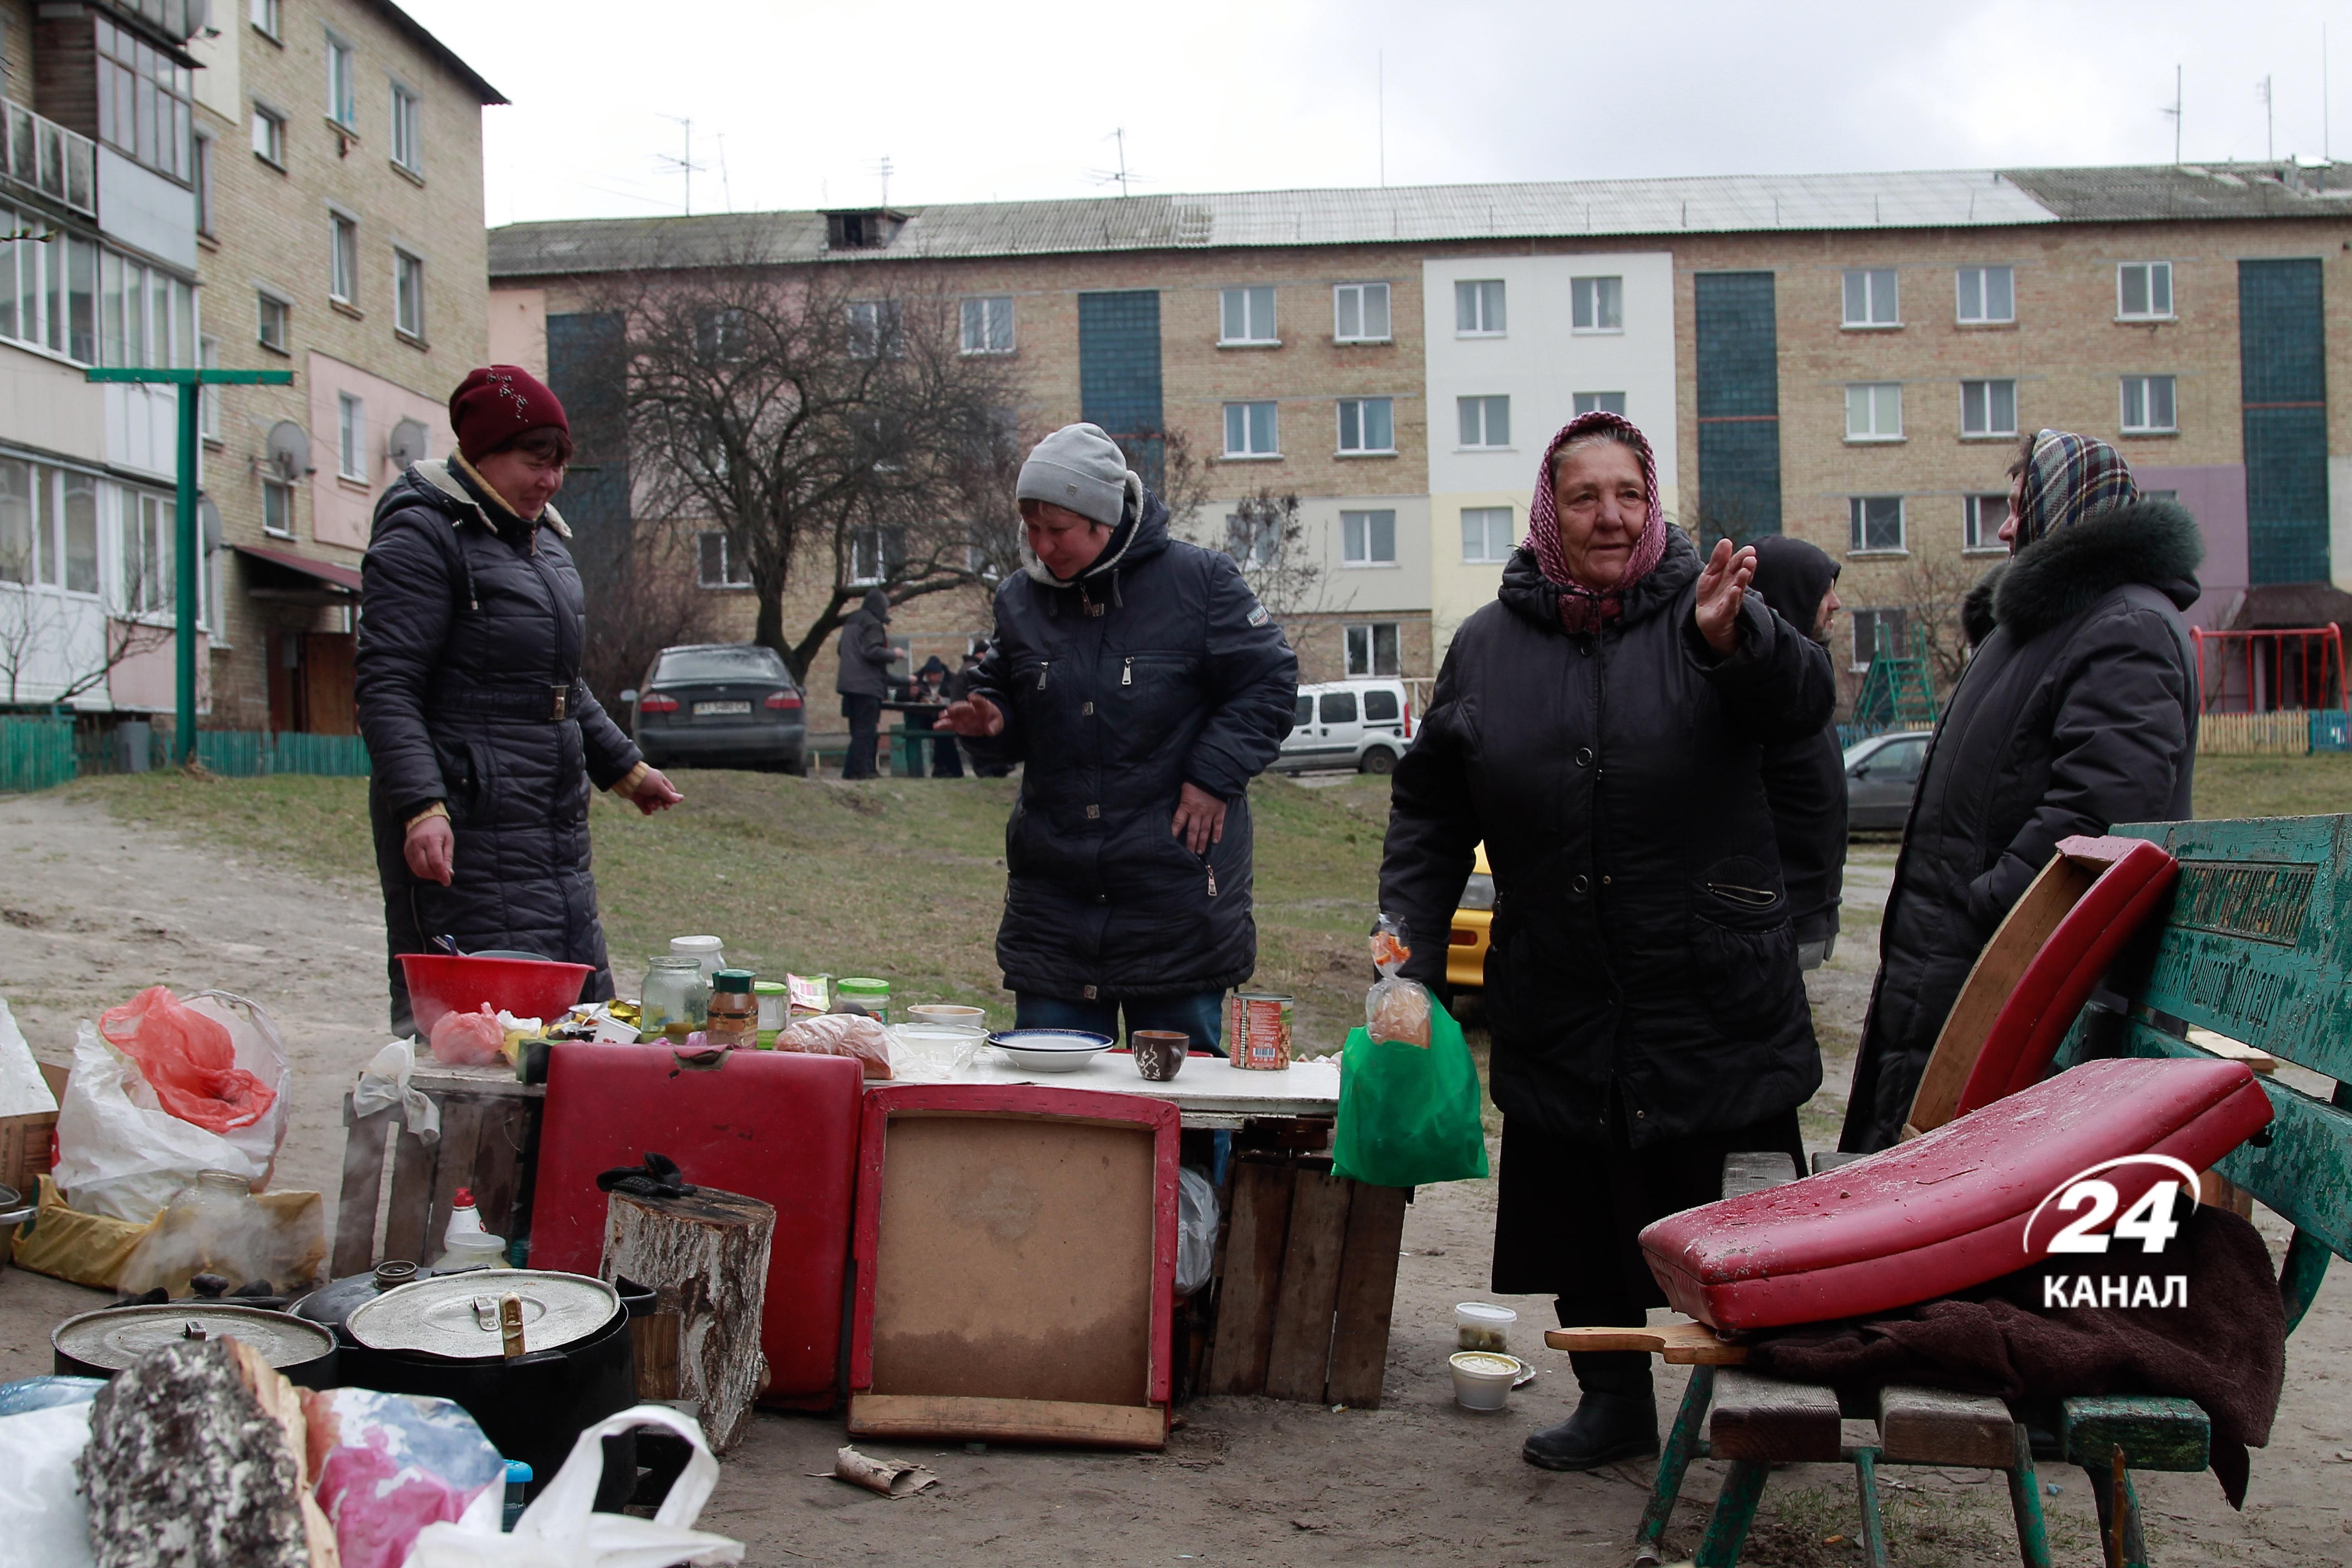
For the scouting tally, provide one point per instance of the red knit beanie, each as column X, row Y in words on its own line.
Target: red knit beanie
column 498, row 401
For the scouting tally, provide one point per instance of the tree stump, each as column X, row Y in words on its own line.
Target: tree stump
column 705, row 1258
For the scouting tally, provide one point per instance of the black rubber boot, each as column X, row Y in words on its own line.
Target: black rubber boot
column 1616, row 1419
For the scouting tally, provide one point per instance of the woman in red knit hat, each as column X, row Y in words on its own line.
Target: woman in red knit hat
column 483, row 740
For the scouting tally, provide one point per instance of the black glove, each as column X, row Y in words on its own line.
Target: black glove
column 658, row 1177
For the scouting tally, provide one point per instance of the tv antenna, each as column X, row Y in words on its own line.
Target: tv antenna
column 1120, row 175
column 685, row 165
column 2175, row 112
column 726, row 191
column 883, row 167
column 2270, row 121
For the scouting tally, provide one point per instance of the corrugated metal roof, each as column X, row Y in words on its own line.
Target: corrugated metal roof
column 1957, row 198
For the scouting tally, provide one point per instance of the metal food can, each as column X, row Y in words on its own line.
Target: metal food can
column 1258, row 1030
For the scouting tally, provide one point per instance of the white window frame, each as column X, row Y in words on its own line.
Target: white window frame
column 1981, row 516
column 268, row 19
column 263, row 299
column 1486, row 516
column 269, row 134
column 342, row 257
column 1858, row 527
column 343, row 82
column 208, row 398
column 1869, row 319
column 1871, row 400
column 1253, row 541
column 1979, row 401
column 407, row 297
column 869, row 556
column 1360, row 538
column 2151, row 274
column 1255, row 301
column 1583, row 403
column 1875, row 615
column 987, row 314
column 1361, row 295
column 202, row 151
column 1371, row 661
column 2147, row 425
column 284, row 490
column 1596, row 305
column 146, row 523
column 876, row 328
column 1360, row 406
column 1982, row 277
column 1473, row 317
column 1484, row 403
column 1249, row 429
column 407, row 127
column 350, row 437
column 732, row 572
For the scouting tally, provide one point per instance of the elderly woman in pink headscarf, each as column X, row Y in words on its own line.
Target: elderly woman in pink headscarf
column 1600, row 727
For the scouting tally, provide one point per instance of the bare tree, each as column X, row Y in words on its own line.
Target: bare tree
column 826, row 432
column 1264, row 535
column 1930, row 592
column 36, row 634
column 649, row 596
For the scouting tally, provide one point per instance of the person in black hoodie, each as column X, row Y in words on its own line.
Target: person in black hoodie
column 1805, row 779
column 1142, row 686
column 482, row 739
column 1601, row 727
column 2077, row 710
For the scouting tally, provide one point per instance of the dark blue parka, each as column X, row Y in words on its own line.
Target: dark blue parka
column 1156, row 669
column 471, row 627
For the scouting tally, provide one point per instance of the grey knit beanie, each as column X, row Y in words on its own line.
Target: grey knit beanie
column 1078, row 467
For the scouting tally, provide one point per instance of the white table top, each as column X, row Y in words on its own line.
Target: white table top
column 1210, row 1090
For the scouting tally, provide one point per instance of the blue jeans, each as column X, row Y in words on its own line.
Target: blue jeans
column 1200, row 1016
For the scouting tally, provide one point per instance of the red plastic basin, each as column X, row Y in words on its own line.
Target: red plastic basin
column 528, row 988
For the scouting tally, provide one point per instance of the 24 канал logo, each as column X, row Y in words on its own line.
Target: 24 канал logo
column 2126, row 1199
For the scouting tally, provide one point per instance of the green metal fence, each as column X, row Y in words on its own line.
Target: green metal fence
column 251, row 753
column 39, row 752
column 36, row 753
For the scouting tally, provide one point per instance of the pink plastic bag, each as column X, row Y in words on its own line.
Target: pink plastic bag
column 469, row 1039
column 387, row 1464
column 187, row 1060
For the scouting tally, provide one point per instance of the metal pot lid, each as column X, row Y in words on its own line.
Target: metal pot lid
column 117, row 1336
column 457, row 1315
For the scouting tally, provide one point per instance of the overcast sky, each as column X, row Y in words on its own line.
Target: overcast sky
column 795, row 104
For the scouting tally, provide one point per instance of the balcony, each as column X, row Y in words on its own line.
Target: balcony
column 45, row 156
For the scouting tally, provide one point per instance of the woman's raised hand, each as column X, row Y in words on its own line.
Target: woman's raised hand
column 974, row 716
column 1722, row 589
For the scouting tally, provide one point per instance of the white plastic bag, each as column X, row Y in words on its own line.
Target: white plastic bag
column 1196, row 1230
column 44, row 1519
column 23, row 1091
column 560, row 1530
column 119, row 1158
column 384, row 1083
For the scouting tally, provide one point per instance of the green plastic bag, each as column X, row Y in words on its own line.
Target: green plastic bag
column 1409, row 1117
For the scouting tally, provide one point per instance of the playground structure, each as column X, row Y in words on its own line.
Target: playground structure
column 2271, row 670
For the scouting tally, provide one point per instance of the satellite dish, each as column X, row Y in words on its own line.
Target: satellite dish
column 290, row 450
column 407, row 444
column 200, row 16
column 208, row 524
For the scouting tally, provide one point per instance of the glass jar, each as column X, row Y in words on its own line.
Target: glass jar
column 676, row 1000
column 734, row 1012
column 213, row 1226
column 872, row 996
column 704, row 950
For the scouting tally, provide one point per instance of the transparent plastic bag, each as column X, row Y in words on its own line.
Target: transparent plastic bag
column 841, row 1034
column 1395, row 1008
column 468, row 1039
column 1196, row 1230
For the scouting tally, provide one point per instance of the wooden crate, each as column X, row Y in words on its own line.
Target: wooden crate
column 1307, row 1283
column 490, row 1136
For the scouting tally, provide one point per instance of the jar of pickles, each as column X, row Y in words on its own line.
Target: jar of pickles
column 676, row 1000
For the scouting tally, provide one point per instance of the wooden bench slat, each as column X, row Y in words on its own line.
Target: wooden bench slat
column 1753, row 1171
column 1682, row 1344
column 1772, row 1421
column 2156, row 1432
column 1936, row 1426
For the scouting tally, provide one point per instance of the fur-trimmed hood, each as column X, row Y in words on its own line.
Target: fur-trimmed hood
column 2063, row 573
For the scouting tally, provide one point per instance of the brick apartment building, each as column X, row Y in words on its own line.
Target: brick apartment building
column 338, row 154
column 1844, row 358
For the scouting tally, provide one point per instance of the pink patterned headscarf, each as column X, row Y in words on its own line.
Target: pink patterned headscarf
column 1582, row 608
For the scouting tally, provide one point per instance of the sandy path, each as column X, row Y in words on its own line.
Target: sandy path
column 91, row 908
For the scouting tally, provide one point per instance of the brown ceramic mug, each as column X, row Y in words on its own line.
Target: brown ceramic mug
column 1159, row 1053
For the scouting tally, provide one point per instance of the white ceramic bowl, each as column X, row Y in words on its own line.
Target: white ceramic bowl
column 1049, row 1050
column 1482, row 1379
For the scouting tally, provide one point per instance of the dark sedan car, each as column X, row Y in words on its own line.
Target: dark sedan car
column 1881, row 772
column 721, row 705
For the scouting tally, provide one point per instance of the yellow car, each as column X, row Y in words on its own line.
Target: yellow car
column 1465, row 955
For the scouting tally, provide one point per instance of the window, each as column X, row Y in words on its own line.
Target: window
column 1303, row 713
column 407, row 129
column 18, row 525
column 203, row 183
column 1599, row 403
column 1247, row 316
column 278, row 509
column 1870, row 297
column 147, row 525
column 1339, row 707
column 1366, row 425
column 1596, row 304
column 2144, row 290
column 1988, row 409
column 1981, row 521
column 1875, row 522
column 1249, row 430
column 208, row 403
column 344, row 257
column 1368, row 538
column 79, row 527
column 1253, row 540
column 1486, row 421
column 2147, row 405
column 875, row 553
column 1380, row 707
column 1874, row 630
column 1359, row 313
column 1874, row 411
column 1485, row 534
column 265, row 16
column 273, row 332
column 988, row 325
column 874, row 329
column 269, row 135
column 1478, row 308
column 50, row 293
column 142, row 102
column 350, row 437
column 1988, row 294
column 342, row 100
column 408, row 294
column 722, row 336
column 1373, row 649
column 716, row 567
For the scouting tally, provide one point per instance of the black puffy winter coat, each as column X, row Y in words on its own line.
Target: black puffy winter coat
column 864, row 650
column 1156, row 669
column 471, row 627
column 1642, row 965
column 1805, row 779
column 2078, row 710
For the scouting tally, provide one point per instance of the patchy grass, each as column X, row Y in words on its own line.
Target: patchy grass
column 2319, row 785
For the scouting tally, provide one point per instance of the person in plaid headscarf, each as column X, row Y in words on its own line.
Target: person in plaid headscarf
column 2077, row 710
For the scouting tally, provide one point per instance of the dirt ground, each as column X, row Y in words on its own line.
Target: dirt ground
column 91, row 908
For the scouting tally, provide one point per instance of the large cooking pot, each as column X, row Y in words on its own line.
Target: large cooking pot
column 440, row 1336
column 101, row 1344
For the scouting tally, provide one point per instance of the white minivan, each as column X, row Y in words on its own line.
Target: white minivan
column 1360, row 724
